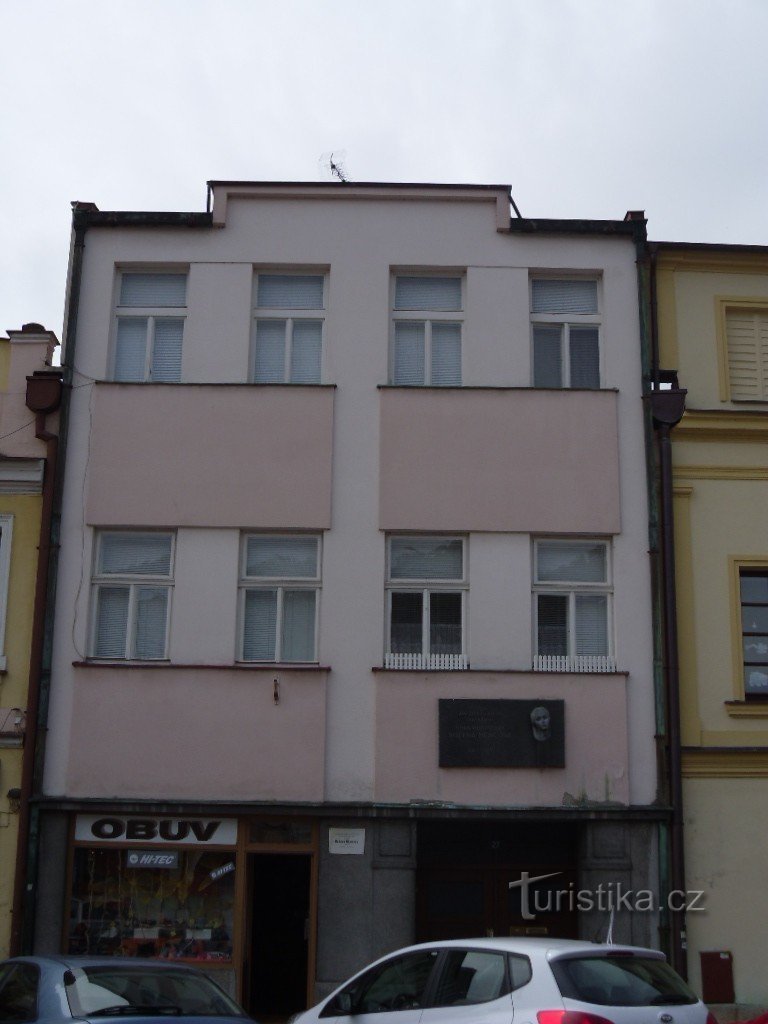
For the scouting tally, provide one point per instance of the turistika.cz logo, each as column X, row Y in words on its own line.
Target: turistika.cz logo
column 610, row 896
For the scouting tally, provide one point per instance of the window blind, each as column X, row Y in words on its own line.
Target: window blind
column 584, row 357
column 131, row 351
column 591, row 624
column 166, row 350
column 259, row 625
column 563, row 296
column 290, row 291
column 111, row 622
column 153, row 290
column 747, row 340
column 269, row 357
column 286, row 557
column 547, row 357
column 571, row 563
column 151, row 617
column 298, row 639
column 552, row 624
column 405, row 633
column 408, row 366
column 306, row 346
column 428, row 293
column 426, row 558
column 144, row 554
column 446, row 354
column 444, row 623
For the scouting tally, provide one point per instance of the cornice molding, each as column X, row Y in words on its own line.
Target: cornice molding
column 722, row 425
column 720, row 473
column 724, row 764
column 713, row 263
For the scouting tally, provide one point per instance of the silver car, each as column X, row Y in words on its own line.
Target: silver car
column 62, row 989
column 533, row 981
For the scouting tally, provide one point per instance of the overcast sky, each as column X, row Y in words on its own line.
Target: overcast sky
column 587, row 108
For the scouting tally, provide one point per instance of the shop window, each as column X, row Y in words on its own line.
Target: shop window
column 123, row 905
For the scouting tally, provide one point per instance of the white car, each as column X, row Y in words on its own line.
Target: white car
column 533, row 981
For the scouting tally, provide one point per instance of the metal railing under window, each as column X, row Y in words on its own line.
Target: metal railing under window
column 446, row 662
column 578, row 663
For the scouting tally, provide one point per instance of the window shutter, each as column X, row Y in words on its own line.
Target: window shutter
column 259, row 624
column 111, row 622
column 571, row 563
column 547, row 358
column 446, row 354
column 166, row 350
column 426, row 558
column 574, row 296
column 747, row 338
column 429, row 293
column 585, row 357
column 298, row 640
column 269, row 365
column 290, row 291
column 145, row 554
column 151, row 617
column 286, row 557
column 153, row 290
column 591, row 624
column 131, row 348
column 552, row 624
column 305, row 351
column 409, row 354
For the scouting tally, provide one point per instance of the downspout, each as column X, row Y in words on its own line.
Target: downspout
column 43, row 397
column 24, row 922
column 667, row 408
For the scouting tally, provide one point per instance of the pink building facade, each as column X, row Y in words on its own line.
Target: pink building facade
column 353, row 609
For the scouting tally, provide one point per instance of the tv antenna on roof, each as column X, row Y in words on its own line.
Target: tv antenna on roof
column 332, row 163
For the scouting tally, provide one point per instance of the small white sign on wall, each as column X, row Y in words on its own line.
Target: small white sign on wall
column 346, row 840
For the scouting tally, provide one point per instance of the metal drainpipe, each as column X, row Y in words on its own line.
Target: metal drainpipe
column 43, row 397
column 25, row 923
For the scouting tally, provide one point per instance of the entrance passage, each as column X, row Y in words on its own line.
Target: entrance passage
column 464, row 871
column 279, row 895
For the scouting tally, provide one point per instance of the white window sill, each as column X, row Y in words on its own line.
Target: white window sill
column 420, row 662
column 584, row 663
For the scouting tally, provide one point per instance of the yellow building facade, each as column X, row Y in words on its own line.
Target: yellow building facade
column 22, row 479
column 712, row 304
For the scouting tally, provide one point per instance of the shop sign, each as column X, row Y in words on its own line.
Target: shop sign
column 346, row 840
column 151, row 859
column 110, row 828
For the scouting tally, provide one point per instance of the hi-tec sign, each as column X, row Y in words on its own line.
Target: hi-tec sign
column 188, row 831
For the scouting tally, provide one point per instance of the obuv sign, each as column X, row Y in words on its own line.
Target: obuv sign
column 109, row 828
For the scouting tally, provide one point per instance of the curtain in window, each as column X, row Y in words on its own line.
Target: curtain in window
column 446, row 354
column 551, row 296
column 591, row 624
column 166, row 350
column 298, row 640
column 426, row 558
column 130, row 355
column 305, row 351
column 547, row 356
column 146, row 554
column 585, row 357
column 576, row 563
column 289, row 291
column 287, row 557
column 153, row 290
column 259, row 625
column 429, row 293
column 111, row 622
column 444, row 623
column 269, row 363
column 409, row 354
column 151, row 617
column 552, row 617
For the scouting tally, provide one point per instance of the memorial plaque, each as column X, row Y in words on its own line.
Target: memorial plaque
column 502, row 733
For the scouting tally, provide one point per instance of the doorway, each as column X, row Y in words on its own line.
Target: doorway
column 279, row 887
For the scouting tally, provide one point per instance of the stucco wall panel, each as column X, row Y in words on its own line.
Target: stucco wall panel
column 407, row 744
column 543, row 461
column 197, row 734
column 164, row 455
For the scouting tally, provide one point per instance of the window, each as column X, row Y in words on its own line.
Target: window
column 279, row 585
column 19, row 983
column 425, row 596
column 396, row 985
column 132, row 595
column 471, row 976
column 572, row 595
column 426, row 349
column 149, row 335
column 747, row 341
column 566, row 333
column 6, row 532
column 753, row 591
column 288, row 329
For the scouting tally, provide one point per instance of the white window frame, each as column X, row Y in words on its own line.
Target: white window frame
column 566, row 321
column 6, row 539
column 426, row 318
column 572, row 662
column 427, row 587
column 281, row 584
column 133, row 582
column 151, row 314
column 289, row 315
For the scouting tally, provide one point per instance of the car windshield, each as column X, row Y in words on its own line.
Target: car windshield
column 621, row 981
column 121, row 991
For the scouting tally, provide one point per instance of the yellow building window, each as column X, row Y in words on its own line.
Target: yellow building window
column 747, row 343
